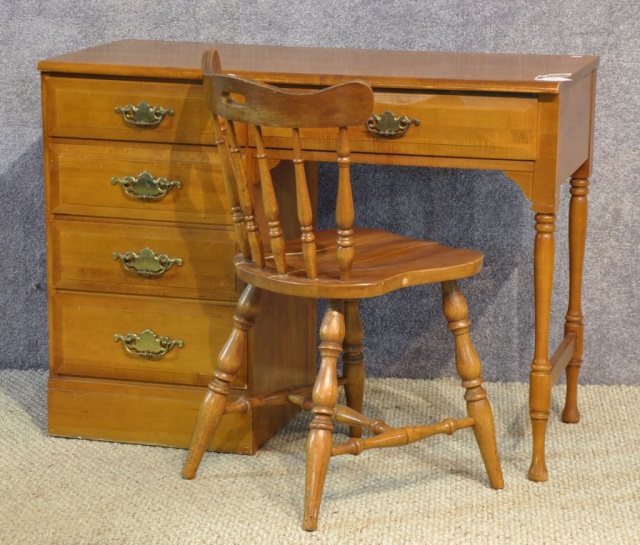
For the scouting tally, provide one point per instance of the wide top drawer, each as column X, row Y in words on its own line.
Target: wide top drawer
column 438, row 125
column 119, row 109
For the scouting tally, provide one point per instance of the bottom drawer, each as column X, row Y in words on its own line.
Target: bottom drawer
column 152, row 414
column 89, row 333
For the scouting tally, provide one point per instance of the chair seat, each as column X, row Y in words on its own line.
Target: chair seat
column 383, row 262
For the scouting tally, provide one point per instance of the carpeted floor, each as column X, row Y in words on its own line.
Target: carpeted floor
column 65, row 491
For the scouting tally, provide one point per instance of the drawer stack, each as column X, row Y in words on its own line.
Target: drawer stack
column 141, row 283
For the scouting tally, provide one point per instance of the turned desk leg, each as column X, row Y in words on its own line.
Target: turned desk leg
column 540, row 381
column 574, row 320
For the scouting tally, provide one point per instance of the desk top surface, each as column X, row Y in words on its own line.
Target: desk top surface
column 425, row 70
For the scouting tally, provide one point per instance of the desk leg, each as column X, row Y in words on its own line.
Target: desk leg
column 540, row 381
column 574, row 320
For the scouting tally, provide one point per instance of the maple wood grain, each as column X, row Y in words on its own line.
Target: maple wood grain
column 326, row 66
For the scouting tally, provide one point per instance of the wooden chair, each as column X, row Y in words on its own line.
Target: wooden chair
column 342, row 267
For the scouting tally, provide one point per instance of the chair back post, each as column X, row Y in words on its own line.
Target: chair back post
column 234, row 175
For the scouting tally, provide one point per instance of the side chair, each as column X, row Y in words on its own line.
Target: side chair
column 342, row 266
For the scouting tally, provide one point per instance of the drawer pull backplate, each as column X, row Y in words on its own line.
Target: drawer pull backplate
column 143, row 115
column 145, row 186
column 147, row 263
column 388, row 125
column 147, row 344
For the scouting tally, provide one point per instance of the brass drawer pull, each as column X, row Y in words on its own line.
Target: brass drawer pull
column 147, row 263
column 146, row 187
column 147, row 344
column 388, row 125
column 143, row 115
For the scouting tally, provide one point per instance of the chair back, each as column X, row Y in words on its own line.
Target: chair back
column 232, row 100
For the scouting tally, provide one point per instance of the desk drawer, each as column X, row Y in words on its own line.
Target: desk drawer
column 85, row 326
column 84, row 259
column 83, row 182
column 449, row 126
column 85, row 108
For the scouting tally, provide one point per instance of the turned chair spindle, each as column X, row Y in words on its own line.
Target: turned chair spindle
column 342, row 266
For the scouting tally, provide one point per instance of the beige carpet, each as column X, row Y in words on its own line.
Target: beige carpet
column 65, row 491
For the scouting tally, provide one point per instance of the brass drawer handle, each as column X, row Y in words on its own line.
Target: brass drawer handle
column 147, row 263
column 147, row 344
column 143, row 115
column 388, row 125
column 145, row 186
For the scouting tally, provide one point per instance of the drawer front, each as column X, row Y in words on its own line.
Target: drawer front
column 136, row 412
column 449, row 126
column 84, row 259
column 86, row 325
column 155, row 182
column 86, row 108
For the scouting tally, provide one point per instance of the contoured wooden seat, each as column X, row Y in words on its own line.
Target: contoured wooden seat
column 383, row 262
column 342, row 265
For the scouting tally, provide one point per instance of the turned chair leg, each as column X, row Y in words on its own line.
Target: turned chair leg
column 230, row 359
column 325, row 396
column 353, row 361
column 469, row 368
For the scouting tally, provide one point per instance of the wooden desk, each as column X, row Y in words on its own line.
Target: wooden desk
column 530, row 116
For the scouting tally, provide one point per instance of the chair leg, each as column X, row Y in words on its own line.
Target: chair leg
column 353, row 360
column 325, row 396
column 231, row 357
column 469, row 368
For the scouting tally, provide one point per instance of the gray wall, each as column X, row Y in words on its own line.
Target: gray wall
column 406, row 333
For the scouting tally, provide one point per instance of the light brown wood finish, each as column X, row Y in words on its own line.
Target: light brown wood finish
column 326, row 66
column 96, row 389
column 353, row 360
column 469, row 368
column 574, row 319
column 540, row 378
column 578, row 213
column 231, row 358
column 86, row 260
column 337, row 265
column 324, row 397
column 480, row 111
column 82, row 173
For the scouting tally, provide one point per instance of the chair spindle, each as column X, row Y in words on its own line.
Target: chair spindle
column 305, row 211
column 231, row 187
column 251, row 224
column 270, row 204
column 345, row 214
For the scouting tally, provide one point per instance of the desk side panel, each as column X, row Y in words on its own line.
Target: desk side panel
column 575, row 132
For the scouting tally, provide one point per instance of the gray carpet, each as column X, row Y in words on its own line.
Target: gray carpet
column 66, row 491
column 494, row 215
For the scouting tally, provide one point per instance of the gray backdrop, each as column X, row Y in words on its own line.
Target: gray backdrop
column 405, row 331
